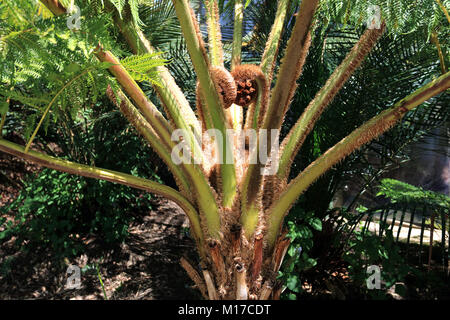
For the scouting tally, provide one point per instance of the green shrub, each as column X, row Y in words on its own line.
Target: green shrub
column 367, row 249
column 300, row 225
column 60, row 210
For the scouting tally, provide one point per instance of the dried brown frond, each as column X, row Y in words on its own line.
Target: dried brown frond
column 194, row 275
column 280, row 250
column 218, row 261
column 257, row 259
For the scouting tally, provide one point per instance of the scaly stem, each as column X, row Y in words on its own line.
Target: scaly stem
column 293, row 142
column 236, row 112
column 216, row 52
column 237, row 34
column 144, row 128
column 148, row 109
column 174, row 102
column 213, row 108
column 214, row 34
column 365, row 133
column 291, row 67
column 205, row 196
column 269, row 60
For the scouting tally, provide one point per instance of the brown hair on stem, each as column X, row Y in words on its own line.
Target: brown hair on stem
column 194, row 275
column 257, row 258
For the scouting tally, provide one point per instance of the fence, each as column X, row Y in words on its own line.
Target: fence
column 418, row 223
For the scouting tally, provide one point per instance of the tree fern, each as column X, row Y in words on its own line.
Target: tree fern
column 236, row 214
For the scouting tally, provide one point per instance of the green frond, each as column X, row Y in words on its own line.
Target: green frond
column 119, row 5
column 16, row 95
column 143, row 67
column 126, row 9
column 399, row 191
column 73, row 93
column 401, row 16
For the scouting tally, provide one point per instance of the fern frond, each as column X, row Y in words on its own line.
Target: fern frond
column 401, row 16
column 16, row 95
column 119, row 5
column 143, row 67
column 59, row 95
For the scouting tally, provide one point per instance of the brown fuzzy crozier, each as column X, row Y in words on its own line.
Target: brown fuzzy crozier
column 246, row 77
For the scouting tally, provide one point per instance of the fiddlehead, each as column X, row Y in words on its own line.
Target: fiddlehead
column 251, row 85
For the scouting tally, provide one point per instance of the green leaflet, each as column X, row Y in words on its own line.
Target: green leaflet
column 398, row 191
column 143, row 67
column 401, row 16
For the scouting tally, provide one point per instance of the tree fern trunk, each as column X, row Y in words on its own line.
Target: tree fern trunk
column 237, row 269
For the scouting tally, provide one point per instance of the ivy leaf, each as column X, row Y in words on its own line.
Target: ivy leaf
column 304, row 232
column 292, row 296
column 294, row 251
